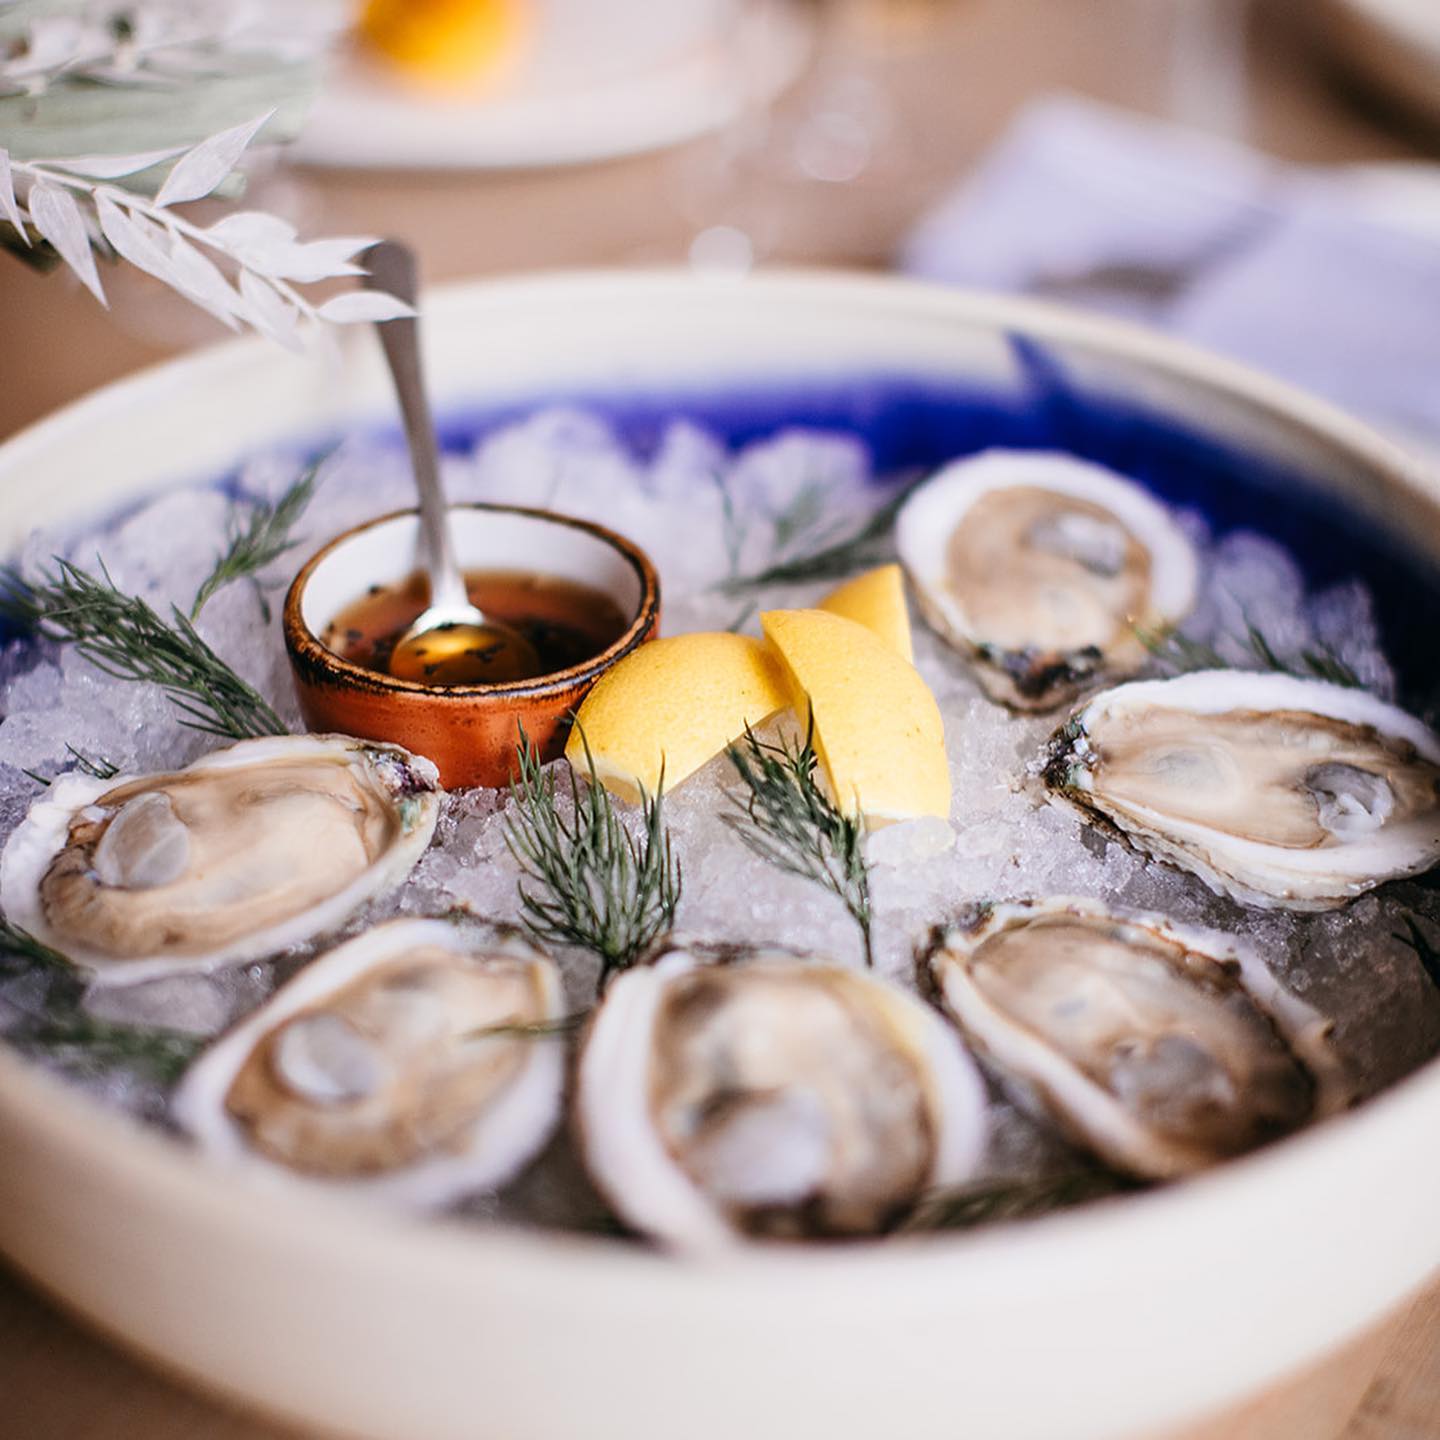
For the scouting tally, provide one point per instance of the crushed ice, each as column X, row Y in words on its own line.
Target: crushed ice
column 707, row 516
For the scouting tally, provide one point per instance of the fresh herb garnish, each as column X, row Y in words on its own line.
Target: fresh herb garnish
column 741, row 620
column 128, row 640
column 991, row 1202
column 798, row 522
column 1427, row 953
column 265, row 535
column 21, row 951
column 800, row 527
column 787, row 819
column 96, row 766
column 1181, row 654
column 586, row 881
column 867, row 545
column 85, row 1041
column 63, row 1031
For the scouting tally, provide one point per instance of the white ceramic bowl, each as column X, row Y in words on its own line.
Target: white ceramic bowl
column 1103, row 1322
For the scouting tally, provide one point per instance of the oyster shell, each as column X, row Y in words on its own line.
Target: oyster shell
column 771, row 1095
column 395, row 1066
column 1277, row 791
column 1044, row 570
column 247, row 851
column 1160, row 1049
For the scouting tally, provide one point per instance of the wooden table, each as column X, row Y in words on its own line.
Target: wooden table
column 56, row 1382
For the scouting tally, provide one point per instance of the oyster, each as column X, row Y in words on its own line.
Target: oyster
column 1046, row 571
column 1162, row 1050
column 1277, row 791
column 771, row 1095
column 249, row 850
column 397, row 1066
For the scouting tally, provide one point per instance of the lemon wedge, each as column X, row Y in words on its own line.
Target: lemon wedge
column 876, row 600
column 878, row 731
column 448, row 44
column 676, row 702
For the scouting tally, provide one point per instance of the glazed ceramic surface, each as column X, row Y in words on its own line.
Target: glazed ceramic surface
column 469, row 731
column 1106, row 1322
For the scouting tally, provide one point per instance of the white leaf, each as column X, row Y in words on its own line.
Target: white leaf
column 357, row 306
column 111, row 167
column 200, row 170
column 270, row 258
column 135, row 239
column 317, row 260
column 124, row 77
column 57, row 217
column 251, row 227
column 8, row 207
column 202, row 281
column 270, row 312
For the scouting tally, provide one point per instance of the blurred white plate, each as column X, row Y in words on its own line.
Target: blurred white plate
column 1393, row 44
column 605, row 78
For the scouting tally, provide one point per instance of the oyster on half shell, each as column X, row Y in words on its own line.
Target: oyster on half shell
column 1277, row 791
column 771, row 1095
column 1044, row 570
column 410, row 1065
column 1160, row 1049
column 249, row 850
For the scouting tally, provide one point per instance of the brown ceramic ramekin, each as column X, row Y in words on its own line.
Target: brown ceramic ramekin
column 469, row 731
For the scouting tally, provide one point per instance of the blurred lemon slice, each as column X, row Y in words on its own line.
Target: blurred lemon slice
column 876, row 600
column 447, row 44
column 878, row 731
column 678, row 701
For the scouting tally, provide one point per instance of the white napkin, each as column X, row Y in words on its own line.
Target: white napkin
column 1327, row 277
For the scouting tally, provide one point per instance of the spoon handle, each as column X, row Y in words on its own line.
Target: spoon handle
column 392, row 268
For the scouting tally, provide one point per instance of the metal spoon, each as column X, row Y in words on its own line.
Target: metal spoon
column 451, row 642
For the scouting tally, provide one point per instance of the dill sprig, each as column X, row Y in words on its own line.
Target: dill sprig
column 587, row 881
column 738, row 624
column 82, row 1041
column 21, row 951
column 787, row 819
column 98, row 767
column 867, row 545
column 990, row 1202
column 124, row 637
column 1425, row 951
column 265, row 536
column 1181, row 654
column 66, row 1034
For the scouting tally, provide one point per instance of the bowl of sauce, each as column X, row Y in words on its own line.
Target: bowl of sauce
column 579, row 594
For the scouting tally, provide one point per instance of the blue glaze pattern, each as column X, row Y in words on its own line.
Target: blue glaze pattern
column 911, row 423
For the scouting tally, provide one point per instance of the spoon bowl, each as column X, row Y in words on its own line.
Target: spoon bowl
column 460, row 646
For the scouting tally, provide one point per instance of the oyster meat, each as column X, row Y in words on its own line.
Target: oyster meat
column 1277, row 791
column 1044, row 570
column 249, row 850
column 1161, row 1050
column 411, row 1065
column 771, row 1095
